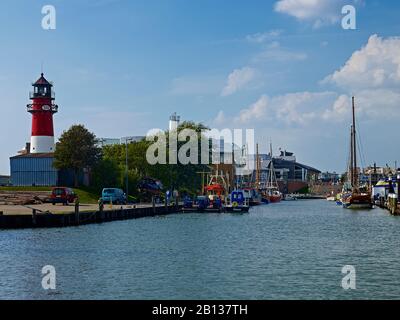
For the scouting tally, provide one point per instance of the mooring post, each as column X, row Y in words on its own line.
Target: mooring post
column 77, row 211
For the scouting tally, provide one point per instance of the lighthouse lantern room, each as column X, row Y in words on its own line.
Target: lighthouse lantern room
column 42, row 109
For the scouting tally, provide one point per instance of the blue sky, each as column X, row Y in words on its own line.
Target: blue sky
column 285, row 68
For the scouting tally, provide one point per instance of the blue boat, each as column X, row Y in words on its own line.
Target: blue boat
column 237, row 202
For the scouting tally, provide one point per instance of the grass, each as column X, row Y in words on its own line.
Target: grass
column 85, row 195
column 25, row 189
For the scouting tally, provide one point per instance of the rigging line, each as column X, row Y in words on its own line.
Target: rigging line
column 362, row 163
column 348, row 158
column 361, row 147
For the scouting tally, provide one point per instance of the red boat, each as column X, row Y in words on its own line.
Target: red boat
column 273, row 195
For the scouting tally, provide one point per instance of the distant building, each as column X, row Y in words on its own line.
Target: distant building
column 292, row 176
column 37, row 170
column 174, row 122
column 328, row 177
column 102, row 142
column 33, row 169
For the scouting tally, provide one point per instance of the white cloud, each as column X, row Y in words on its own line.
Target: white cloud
column 255, row 112
column 376, row 65
column 379, row 104
column 301, row 107
column 318, row 12
column 238, row 79
column 340, row 109
column 274, row 52
column 372, row 74
column 220, row 118
column 290, row 109
column 262, row 37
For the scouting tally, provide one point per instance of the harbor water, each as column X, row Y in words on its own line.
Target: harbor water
column 291, row 250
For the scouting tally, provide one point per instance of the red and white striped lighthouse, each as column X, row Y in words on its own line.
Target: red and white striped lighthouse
column 42, row 110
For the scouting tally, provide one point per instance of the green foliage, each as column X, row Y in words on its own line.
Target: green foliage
column 87, row 195
column 76, row 150
column 305, row 190
column 107, row 172
column 111, row 171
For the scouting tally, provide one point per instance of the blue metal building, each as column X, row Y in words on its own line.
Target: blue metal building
column 33, row 170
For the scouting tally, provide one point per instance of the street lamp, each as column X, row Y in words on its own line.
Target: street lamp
column 127, row 139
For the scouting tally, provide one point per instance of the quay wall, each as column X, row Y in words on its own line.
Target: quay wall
column 46, row 220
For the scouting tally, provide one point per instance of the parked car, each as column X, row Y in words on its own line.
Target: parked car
column 62, row 195
column 150, row 185
column 114, row 195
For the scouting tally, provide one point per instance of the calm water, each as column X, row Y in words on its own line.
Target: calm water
column 293, row 250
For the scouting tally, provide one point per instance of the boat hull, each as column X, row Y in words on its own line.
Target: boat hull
column 275, row 199
column 358, row 202
column 237, row 209
column 203, row 210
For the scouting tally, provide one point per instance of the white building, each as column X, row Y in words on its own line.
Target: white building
column 174, row 121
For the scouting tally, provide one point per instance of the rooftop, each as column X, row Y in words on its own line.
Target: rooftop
column 34, row 155
column 42, row 81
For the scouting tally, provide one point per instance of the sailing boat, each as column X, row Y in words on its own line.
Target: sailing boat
column 253, row 193
column 356, row 197
column 272, row 193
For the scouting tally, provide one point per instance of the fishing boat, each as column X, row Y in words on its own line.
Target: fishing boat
column 357, row 197
column 271, row 191
column 237, row 202
column 252, row 196
column 216, row 196
column 213, row 196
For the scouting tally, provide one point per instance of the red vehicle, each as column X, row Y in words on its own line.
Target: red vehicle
column 62, row 195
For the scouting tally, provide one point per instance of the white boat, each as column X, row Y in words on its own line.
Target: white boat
column 289, row 197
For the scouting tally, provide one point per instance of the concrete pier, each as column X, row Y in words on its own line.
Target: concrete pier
column 49, row 220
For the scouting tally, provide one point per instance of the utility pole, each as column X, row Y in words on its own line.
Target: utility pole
column 127, row 139
column 257, row 182
column 203, row 173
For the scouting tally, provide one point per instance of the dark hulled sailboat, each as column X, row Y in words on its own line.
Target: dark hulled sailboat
column 356, row 197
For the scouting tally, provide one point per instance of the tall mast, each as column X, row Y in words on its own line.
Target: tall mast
column 355, row 174
column 272, row 164
column 257, row 169
column 351, row 168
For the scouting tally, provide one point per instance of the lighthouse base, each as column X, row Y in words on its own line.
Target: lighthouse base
column 42, row 144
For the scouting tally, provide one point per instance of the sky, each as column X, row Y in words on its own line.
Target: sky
column 285, row 68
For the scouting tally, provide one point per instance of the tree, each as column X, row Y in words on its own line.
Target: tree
column 76, row 150
column 173, row 176
column 106, row 173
